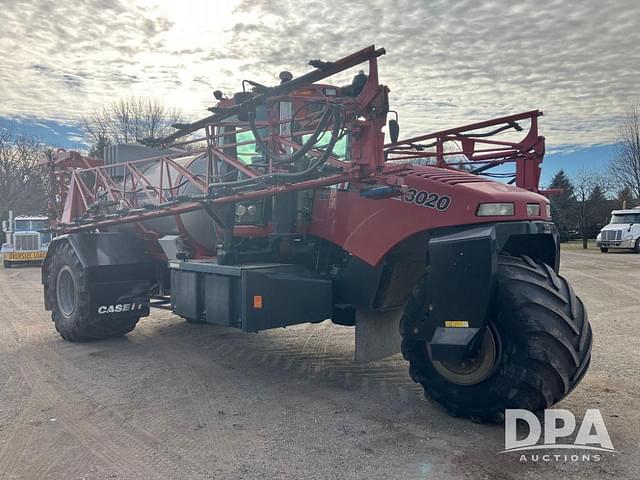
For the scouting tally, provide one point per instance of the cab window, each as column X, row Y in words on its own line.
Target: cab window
column 22, row 225
column 39, row 224
column 626, row 218
column 339, row 149
column 246, row 153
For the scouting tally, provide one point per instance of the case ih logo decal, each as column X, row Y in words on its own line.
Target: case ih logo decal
column 428, row 200
column 120, row 308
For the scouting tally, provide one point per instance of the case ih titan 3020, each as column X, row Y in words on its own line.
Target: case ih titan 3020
column 290, row 208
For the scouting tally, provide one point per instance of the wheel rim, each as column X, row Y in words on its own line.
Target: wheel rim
column 471, row 371
column 66, row 291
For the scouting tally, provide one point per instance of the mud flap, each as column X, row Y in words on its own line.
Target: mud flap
column 119, row 271
column 377, row 334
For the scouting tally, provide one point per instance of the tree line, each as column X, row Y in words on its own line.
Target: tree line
column 585, row 202
column 128, row 120
column 23, row 183
column 24, row 176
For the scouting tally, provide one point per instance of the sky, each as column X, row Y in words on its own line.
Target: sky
column 448, row 62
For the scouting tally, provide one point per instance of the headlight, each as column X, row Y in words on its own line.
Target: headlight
column 495, row 209
column 533, row 209
column 627, row 237
column 598, row 237
column 241, row 210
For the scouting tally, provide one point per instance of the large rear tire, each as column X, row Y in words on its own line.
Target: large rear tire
column 68, row 297
column 535, row 350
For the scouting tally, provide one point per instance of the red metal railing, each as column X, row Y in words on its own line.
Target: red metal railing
column 475, row 149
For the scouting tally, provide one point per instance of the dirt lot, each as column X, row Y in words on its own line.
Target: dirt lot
column 174, row 400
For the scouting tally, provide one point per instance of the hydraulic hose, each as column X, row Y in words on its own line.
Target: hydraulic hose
column 335, row 135
column 308, row 145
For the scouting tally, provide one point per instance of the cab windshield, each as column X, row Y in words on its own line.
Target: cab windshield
column 340, row 148
column 39, row 224
column 22, row 225
column 626, row 218
column 247, row 151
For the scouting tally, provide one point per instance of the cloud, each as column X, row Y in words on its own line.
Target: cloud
column 448, row 63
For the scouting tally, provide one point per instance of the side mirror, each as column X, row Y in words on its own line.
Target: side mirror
column 394, row 130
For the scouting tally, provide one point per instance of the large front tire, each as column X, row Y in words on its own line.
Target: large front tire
column 68, row 297
column 535, row 350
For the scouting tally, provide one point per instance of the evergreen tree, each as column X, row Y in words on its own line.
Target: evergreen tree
column 97, row 148
column 599, row 210
column 563, row 205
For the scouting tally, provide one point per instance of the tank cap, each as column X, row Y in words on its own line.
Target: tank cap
column 285, row 76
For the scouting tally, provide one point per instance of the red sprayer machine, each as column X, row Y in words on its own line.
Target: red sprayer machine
column 287, row 205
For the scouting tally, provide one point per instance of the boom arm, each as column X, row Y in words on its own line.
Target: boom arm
column 322, row 71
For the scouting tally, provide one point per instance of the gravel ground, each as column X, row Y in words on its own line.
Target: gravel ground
column 174, row 400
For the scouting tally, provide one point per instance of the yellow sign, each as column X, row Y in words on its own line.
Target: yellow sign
column 24, row 256
column 456, row 324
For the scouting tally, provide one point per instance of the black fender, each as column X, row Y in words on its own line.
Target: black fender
column 461, row 279
column 118, row 268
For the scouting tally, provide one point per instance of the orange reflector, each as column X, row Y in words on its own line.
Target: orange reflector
column 306, row 92
column 257, row 301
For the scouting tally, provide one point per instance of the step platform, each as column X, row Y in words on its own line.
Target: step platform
column 252, row 296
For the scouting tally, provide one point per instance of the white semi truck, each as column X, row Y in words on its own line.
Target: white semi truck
column 27, row 239
column 623, row 231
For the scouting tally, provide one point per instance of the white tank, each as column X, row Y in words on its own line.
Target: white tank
column 197, row 225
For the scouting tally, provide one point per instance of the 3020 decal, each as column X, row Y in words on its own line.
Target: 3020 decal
column 427, row 199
